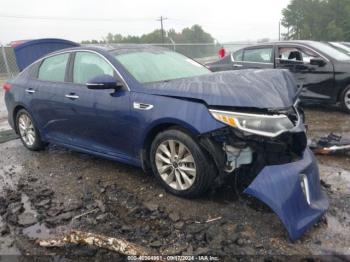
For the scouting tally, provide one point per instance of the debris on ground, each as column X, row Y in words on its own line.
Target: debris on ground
column 331, row 144
column 110, row 243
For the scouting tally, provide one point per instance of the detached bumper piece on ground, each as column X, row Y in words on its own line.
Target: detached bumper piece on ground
column 293, row 192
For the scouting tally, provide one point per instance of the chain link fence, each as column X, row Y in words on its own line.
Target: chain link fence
column 8, row 64
column 202, row 52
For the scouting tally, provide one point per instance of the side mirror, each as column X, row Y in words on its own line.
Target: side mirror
column 317, row 62
column 103, row 82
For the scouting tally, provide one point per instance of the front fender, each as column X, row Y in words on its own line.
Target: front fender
column 190, row 115
column 279, row 187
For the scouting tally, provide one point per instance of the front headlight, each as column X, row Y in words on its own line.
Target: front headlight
column 260, row 124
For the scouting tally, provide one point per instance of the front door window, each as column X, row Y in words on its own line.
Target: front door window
column 296, row 54
column 89, row 65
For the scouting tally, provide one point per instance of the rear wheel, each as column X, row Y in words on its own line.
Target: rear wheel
column 27, row 131
column 346, row 100
column 180, row 164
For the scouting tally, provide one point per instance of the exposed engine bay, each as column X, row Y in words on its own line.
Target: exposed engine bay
column 237, row 157
column 238, row 152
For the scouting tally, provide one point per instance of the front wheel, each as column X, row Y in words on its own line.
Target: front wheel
column 345, row 100
column 27, row 131
column 180, row 164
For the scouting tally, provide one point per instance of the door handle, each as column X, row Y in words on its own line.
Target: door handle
column 72, row 96
column 30, row 91
column 237, row 65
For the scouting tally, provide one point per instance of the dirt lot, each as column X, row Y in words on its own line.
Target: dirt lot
column 42, row 193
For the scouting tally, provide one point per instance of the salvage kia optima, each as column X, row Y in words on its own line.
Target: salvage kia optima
column 164, row 112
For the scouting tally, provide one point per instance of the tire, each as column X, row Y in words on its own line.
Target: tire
column 188, row 158
column 28, row 132
column 345, row 100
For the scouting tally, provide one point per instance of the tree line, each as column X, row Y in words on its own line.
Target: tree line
column 194, row 34
column 321, row 20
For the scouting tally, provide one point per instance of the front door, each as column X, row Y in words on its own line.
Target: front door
column 98, row 119
column 317, row 80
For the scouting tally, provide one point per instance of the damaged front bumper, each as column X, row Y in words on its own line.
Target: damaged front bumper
column 293, row 192
column 281, row 172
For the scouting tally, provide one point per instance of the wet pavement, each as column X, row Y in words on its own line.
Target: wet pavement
column 45, row 194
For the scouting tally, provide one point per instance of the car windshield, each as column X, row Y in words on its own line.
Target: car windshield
column 330, row 51
column 156, row 66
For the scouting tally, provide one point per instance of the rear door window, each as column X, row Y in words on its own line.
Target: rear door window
column 89, row 65
column 258, row 55
column 54, row 68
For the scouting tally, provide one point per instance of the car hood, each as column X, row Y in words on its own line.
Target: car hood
column 270, row 88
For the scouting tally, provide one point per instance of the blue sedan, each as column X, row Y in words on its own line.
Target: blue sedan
column 168, row 114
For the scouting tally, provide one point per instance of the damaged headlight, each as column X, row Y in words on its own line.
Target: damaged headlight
column 261, row 124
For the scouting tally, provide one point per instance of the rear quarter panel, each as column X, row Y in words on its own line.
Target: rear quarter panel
column 221, row 65
column 16, row 96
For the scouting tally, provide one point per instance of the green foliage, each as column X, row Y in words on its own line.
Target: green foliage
column 194, row 34
column 322, row 20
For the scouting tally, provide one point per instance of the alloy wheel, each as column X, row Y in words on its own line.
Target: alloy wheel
column 26, row 130
column 175, row 164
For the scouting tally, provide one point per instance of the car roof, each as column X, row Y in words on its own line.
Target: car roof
column 301, row 42
column 116, row 49
column 130, row 48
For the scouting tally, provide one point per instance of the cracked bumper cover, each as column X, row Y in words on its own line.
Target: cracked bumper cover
column 279, row 187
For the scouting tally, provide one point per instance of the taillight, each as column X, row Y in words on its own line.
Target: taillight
column 7, row 87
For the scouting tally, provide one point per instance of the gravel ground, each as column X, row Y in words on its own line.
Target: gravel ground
column 41, row 193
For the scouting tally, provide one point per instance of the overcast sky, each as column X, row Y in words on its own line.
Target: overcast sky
column 233, row 20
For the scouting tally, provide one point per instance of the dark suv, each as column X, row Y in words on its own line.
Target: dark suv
column 323, row 71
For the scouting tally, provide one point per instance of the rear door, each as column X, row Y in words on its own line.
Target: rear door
column 45, row 92
column 258, row 57
column 98, row 119
column 317, row 81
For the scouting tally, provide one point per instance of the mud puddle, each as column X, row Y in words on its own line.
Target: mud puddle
column 38, row 230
